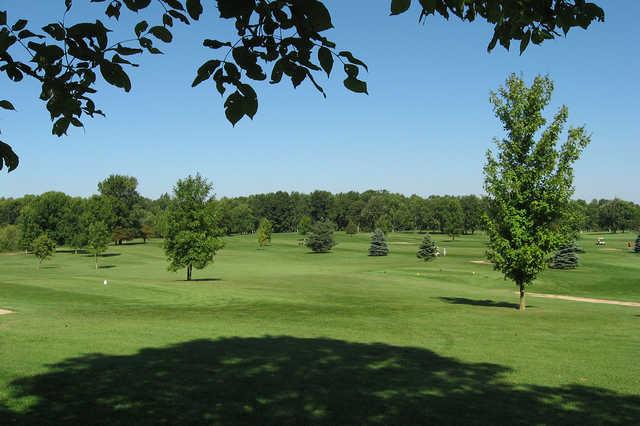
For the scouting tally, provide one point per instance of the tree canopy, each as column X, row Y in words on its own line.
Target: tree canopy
column 273, row 40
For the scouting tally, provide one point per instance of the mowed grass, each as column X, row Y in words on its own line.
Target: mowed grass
column 283, row 336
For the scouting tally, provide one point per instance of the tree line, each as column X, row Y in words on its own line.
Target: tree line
column 127, row 215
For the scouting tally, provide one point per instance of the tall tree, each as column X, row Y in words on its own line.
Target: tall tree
column 471, row 212
column 69, row 58
column 193, row 234
column 530, row 181
column 123, row 195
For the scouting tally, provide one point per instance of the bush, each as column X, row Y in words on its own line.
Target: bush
column 320, row 238
column 378, row 244
column 428, row 249
column 9, row 238
column 637, row 247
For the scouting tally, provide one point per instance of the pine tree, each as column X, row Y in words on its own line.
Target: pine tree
column 320, row 237
column 428, row 249
column 378, row 244
column 637, row 247
column 351, row 228
column 565, row 258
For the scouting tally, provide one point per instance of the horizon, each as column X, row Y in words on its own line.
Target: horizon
column 424, row 128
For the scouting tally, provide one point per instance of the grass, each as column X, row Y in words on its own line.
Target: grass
column 281, row 336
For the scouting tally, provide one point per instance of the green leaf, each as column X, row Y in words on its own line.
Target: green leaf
column 7, row 105
column 194, row 8
column 399, row 6
column 326, row 60
column 60, row 126
column 28, row 34
column 355, row 85
column 319, row 16
column 161, row 33
column 8, row 157
column 115, row 75
column 234, row 109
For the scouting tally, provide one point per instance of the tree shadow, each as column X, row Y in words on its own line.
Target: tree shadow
column 49, row 267
column 486, row 302
column 106, row 266
column 72, row 251
column 201, row 280
column 287, row 381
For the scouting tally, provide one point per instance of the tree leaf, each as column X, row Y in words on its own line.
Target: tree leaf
column 161, row 33
column 399, row 6
column 215, row 44
column 115, row 75
column 8, row 157
column 353, row 59
column 141, row 27
column 19, row 25
column 194, row 9
column 7, row 105
column 326, row 60
column 55, row 30
column 355, row 85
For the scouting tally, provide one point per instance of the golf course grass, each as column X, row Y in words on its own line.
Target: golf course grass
column 283, row 336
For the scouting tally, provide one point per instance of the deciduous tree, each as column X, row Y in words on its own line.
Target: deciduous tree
column 193, row 234
column 529, row 181
column 98, row 238
column 43, row 248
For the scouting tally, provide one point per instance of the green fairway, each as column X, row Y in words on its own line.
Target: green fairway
column 282, row 336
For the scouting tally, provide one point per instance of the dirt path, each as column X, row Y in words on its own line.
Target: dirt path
column 585, row 299
column 5, row 312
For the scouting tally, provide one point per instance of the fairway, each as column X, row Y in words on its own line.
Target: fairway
column 283, row 336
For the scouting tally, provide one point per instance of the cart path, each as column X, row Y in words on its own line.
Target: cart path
column 585, row 299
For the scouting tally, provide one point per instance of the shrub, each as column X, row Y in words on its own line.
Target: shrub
column 565, row 258
column 351, row 228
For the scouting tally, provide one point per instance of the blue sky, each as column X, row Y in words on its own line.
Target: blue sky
column 423, row 129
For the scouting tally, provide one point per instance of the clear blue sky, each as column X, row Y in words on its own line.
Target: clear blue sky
column 423, row 129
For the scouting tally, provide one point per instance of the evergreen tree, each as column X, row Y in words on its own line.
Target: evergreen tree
column 565, row 258
column 43, row 247
column 428, row 249
column 351, row 228
column 320, row 238
column 637, row 247
column 378, row 244
column 265, row 229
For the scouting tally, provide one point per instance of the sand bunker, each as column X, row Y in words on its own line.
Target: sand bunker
column 5, row 312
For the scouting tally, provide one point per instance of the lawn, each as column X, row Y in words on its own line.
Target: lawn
column 283, row 336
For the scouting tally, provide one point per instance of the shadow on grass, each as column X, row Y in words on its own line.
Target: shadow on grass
column 106, row 266
column 72, row 251
column 474, row 302
column 201, row 280
column 48, row 267
column 287, row 380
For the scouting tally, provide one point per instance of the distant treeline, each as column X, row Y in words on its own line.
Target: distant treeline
column 128, row 215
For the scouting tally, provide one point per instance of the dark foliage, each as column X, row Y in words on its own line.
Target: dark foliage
column 378, row 244
column 565, row 258
column 428, row 249
column 320, row 237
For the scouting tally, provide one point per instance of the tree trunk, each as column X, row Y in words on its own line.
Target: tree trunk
column 96, row 256
column 522, row 300
column 189, row 268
